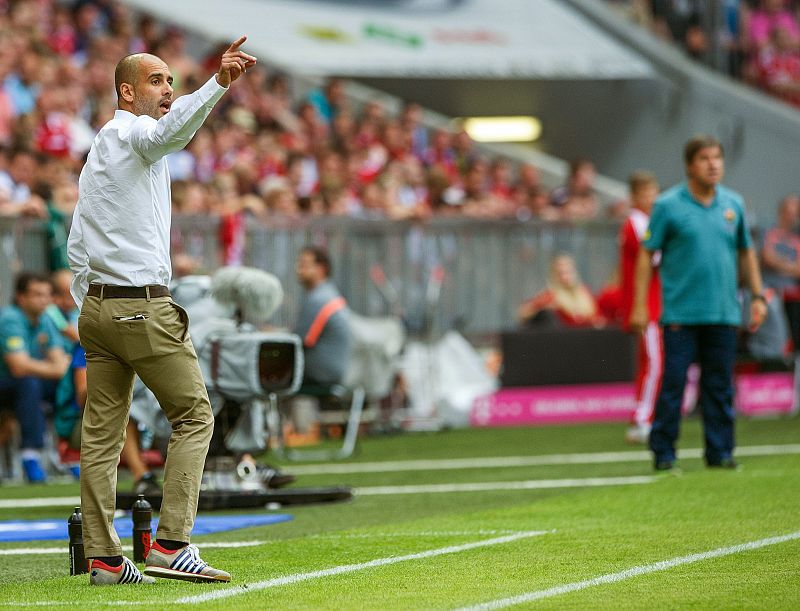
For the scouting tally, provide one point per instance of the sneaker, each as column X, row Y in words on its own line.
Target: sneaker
column 667, row 466
column 101, row 574
column 75, row 471
column 638, row 434
column 274, row 478
column 726, row 463
column 249, row 471
column 184, row 563
column 33, row 470
column 147, row 485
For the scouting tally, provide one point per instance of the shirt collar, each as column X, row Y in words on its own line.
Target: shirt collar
column 23, row 316
column 688, row 195
column 124, row 115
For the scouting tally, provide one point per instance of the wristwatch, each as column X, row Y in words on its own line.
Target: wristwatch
column 760, row 297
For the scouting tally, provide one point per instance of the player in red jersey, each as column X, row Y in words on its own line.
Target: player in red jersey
column 643, row 193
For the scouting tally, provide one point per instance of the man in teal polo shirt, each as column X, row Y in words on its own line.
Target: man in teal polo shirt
column 700, row 229
column 31, row 361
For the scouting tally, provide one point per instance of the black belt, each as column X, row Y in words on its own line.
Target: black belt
column 112, row 291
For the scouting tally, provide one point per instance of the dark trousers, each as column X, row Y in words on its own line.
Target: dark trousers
column 714, row 347
column 25, row 396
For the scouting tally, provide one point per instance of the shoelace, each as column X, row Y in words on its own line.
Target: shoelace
column 194, row 552
column 130, row 574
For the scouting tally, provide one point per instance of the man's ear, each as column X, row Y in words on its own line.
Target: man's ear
column 126, row 91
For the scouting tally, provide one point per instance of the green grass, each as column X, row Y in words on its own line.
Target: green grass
column 590, row 532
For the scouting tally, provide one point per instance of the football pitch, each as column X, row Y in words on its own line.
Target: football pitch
column 551, row 517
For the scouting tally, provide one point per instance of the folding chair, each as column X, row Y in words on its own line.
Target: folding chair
column 338, row 405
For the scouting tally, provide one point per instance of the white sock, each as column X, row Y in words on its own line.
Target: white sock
column 28, row 454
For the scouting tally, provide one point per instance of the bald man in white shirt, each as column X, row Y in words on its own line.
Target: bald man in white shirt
column 119, row 253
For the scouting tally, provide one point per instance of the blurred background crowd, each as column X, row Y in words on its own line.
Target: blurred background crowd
column 757, row 41
column 275, row 152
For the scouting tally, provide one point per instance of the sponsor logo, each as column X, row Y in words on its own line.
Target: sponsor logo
column 729, row 215
column 15, row 343
column 326, row 34
column 478, row 36
column 392, row 35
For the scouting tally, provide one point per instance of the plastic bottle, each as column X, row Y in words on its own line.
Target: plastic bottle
column 77, row 559
column 142, row 514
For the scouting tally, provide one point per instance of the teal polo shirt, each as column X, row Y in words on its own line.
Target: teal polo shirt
column 19, row 334
column 699, row 255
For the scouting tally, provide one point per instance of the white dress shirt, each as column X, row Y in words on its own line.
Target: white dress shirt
column 121, row 225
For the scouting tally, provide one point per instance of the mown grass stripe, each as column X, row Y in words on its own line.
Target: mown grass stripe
column 351, row 568
column 535, row 484
column 494, row 462
column 629, row 573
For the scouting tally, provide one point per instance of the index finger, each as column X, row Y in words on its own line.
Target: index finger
column 237, row 43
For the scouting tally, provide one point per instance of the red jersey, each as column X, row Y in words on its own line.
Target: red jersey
column 630, row 238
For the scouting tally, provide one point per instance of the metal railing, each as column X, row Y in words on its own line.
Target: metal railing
column 444, row 273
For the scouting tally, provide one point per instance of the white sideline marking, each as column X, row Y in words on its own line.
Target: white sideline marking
column 63, row 549
column 534, row 484
column 632, row 572
column 493, row 462
column 419, row 534
column 53, row 501
column 351, row 568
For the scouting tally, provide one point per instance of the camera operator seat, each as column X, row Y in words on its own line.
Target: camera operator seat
column 370, row 375
column 332, row 400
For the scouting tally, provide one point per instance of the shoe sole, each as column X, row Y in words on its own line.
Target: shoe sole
column 112, row 583
column 157, row 571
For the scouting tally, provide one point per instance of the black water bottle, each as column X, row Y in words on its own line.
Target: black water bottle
column 142, row 514
column 77, row 559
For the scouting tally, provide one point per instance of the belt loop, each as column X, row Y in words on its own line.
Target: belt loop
column 147, row 292
column 102, row 290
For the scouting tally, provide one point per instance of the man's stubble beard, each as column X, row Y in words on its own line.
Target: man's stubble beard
column 146, row 107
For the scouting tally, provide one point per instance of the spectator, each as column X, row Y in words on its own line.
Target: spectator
column 330, row 101
column 780, row 254
column 533, row 203
column 778, row 66
column 373, row 205
column 680, row 21
column 70, row 398
column 62, row 311
column 32, row 361
column 500, row 172
column 16, row 186
column 770, row 15
column 529, row 176
column 411, row 120
column 323, row 320
column 566, row 300
column 576, row 199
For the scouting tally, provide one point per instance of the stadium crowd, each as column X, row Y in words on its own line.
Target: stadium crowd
column 263, row 153
column 268, row 154
column 758, row 40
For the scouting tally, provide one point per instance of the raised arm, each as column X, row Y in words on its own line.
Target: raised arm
column 153, row 139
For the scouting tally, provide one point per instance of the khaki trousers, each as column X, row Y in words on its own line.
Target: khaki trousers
column 158, row 349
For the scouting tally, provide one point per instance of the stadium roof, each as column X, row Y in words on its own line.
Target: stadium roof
column 486, row 39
